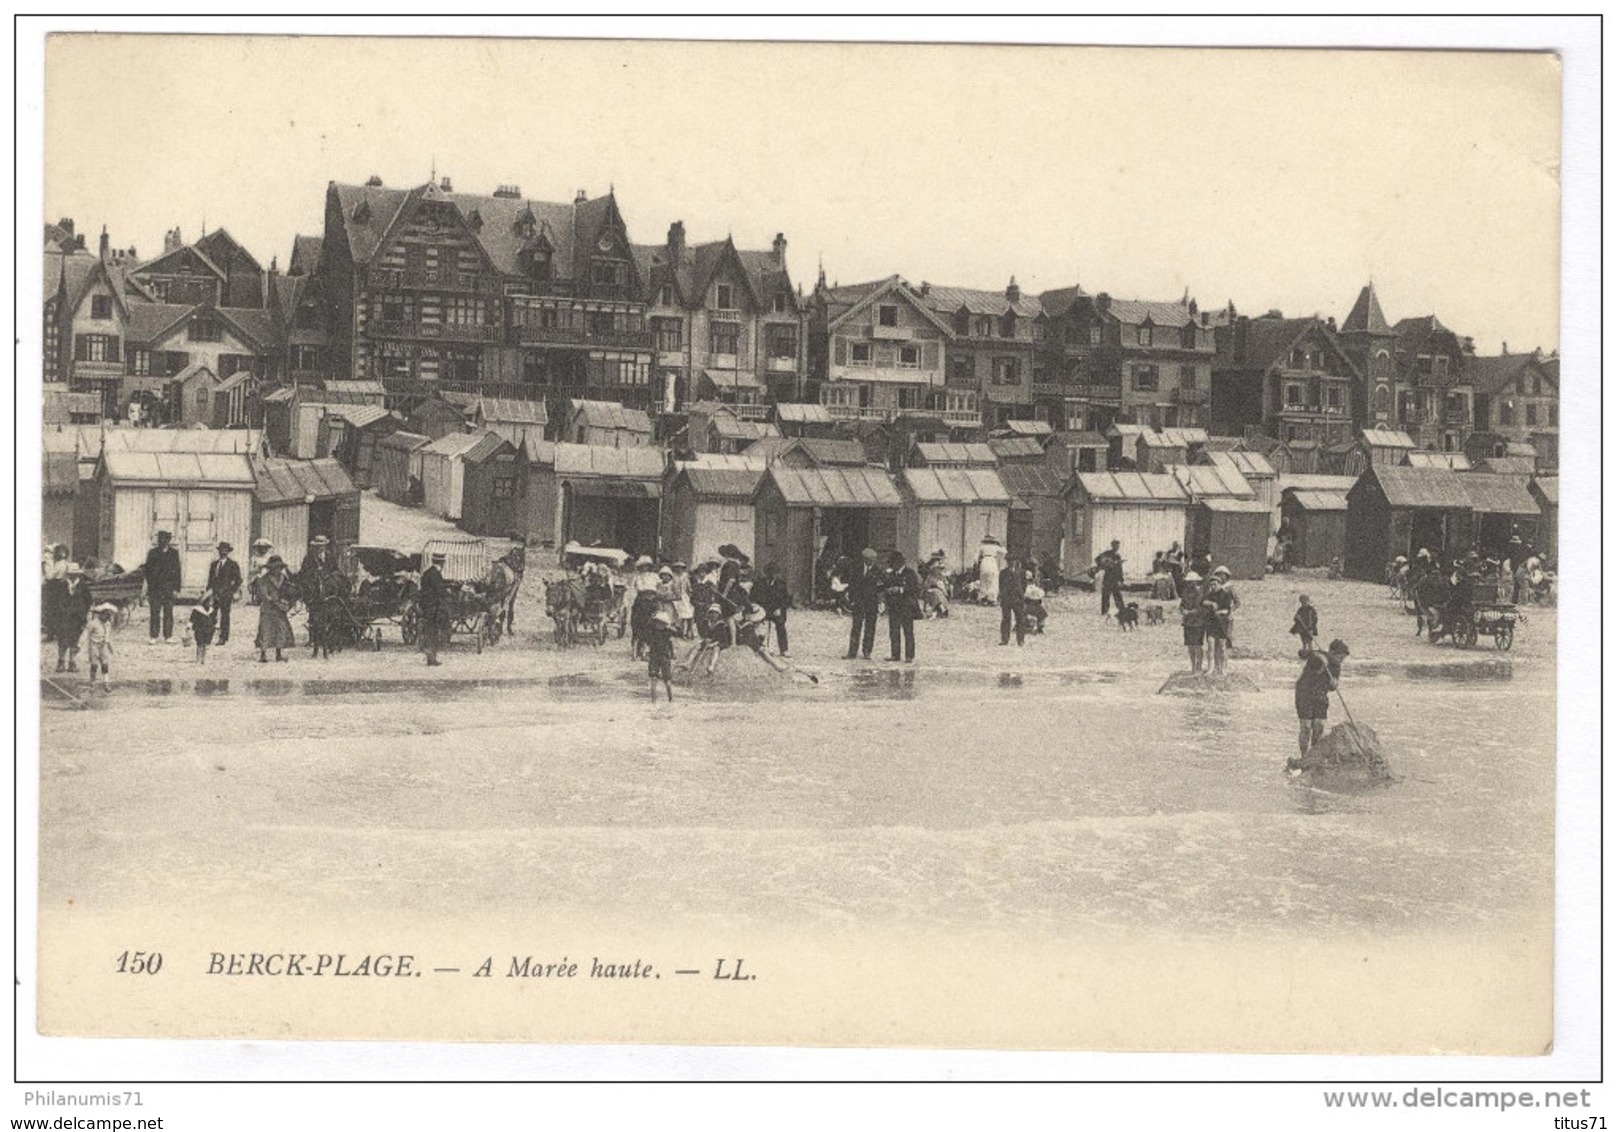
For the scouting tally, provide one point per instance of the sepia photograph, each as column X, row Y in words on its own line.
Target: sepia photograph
column 684, row 542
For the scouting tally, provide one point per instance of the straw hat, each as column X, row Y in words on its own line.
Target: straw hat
column 104, row 607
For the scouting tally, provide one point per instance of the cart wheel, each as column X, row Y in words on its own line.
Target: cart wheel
column 1506, row 637
column 1470, row 634
column 410, row 626
column 601, row 638
column 376, row 639
column 478, row 631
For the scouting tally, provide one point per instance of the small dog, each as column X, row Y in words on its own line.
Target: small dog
column 1128, row 617
column 1153, row 614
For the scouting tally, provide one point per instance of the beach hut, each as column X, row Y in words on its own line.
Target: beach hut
column 397, row 462
column 806, row 515
column 1042, row 431
column 60, row 483
column 951, row 509
column 1547, row 493
column 1501, row 506
column 1385, row 445
column 350, row 433
column 201, row 498
column 435, row 418
column 1318, row 521
column 1122, row 446
column 443, row 472
column 706, row 506
column 1018, row 450
column 803, row 419
column 1038, row 511
column 807, row 452
column 606, row 424
column 592, row 494
column 1395, row 510
column 1233, row 532
column 1144, row 512
column 1210, row 481
column 491, row 498
column 1453, row 461
column 295, row 500
column 515, row 420
column 729, row 435
column 1085, row 450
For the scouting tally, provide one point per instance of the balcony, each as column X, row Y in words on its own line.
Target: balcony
column 782, row 365
column 1185, row 396
column 440, row 331
column 960, row 418
column 1099, row 394
column 532, row 335
column 1456, row 416
column 750, row 412
column 1052, row 389
column 859, row 413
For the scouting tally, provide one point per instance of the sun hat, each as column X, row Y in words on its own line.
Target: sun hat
column 105, row 607
column 1221, row 572
column 868, row 553
column 1192, row 576
column 319, row 540
column 643, row 560
column 439, row 556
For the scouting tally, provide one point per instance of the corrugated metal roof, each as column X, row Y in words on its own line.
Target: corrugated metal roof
column 1250, row 465
column 1131, row 487
column 1203, row 480
column 610, row 414
column 222, row 469
column 360, row 416
column 836, row 487
column 1550, row 488
column 507, row 410
column 641, row 463
column 1024, row 481
column 956, row 485
column 455, row 443
column 802, row 414
column 403, row 441
column 1226, row 505
column 1386, row 438
column 1016, row 447
column 1318, row 500
column 1421, row 487
column 723, row 483
column 1453, row 460
column 1499, row 494
column 236, row 440
column 287, row 481
column 946, row 452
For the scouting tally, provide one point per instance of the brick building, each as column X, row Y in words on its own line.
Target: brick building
column 1518, row 399
column 993, row 347
column 1287, row 376
column 876, row 351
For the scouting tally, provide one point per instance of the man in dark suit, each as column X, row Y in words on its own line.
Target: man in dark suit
column 162, row 583
column 1109, row 565
column 1012, row 602
column 224, row 583
column 864, row 596
column 431, row 602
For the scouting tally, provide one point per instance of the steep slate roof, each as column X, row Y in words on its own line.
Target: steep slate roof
column 215, row 469
column 1131, row 487
column 722, row 483
column 305, row 255
column 1175, row 313
column 1366, row 314
column 610, row 414
column 955, row 485
column 641, row 463
column 1499, row 494
column 947, row 300
column 1421, row 487
column 844, row 302
column 835, row 487
column 292, row 481
column 1263, row 343
column 1497, row 373
column 78, row 269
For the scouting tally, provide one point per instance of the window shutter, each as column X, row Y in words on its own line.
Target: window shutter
column 81, row 348
column 929, row 355
column 842, row 351
column 112, row 349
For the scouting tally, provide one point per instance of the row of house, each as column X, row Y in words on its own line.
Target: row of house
column 427, row 292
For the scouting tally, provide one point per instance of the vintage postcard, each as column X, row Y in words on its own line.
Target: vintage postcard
column 1008, row 547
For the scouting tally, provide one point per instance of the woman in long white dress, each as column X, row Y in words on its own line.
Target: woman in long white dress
column 990, row 560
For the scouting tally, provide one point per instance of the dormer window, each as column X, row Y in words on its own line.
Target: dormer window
column 726, row 297
column 665, row 295
column 1094, row 336
column 1441, row 365
column 475, row 220
column 1007, row 325
column 962, row 322
column 539, row 264
column 782, row 302
column 985, row 328
column 1143, row 336
column 526, row 224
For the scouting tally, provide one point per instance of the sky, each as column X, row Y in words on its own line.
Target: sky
column 1276, row 179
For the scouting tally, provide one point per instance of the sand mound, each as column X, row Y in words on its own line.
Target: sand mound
column 1197, row 683
column 737, row 666
column 1349, row 751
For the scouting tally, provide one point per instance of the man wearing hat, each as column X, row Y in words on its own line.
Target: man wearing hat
column 224, row 584
column 864, row 596
column 432, row 601
column 319, row 559
column 71, row 614
column 162, row 583
column 1109, row 565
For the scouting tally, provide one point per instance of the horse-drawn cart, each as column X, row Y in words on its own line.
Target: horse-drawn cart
column 588, row 602
column 1492, row 619
column 482, row 590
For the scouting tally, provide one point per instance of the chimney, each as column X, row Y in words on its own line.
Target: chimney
column 926, row 288
column 1193, row 307
column 1206, row 317
column 374, row 181
column 1504, row 347
column 1103, row 302
column 66, row 225
column 780, row 247
column 581, row 197
column 171, row 240
column 1013, row 293
column 106, row 244
column 445, row 185
column 676, row 240
column 1468, row 344
column 1538, row 352
column 1331, row 322
column 508, row 192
